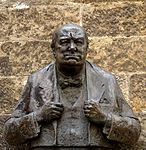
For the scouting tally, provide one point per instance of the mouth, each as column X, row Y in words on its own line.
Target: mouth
column 68, row 57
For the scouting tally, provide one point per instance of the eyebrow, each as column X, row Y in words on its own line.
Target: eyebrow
column 75, row 39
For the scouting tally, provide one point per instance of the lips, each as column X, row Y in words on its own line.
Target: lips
column 72, row 57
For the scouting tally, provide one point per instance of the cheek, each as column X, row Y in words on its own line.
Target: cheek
column 83, row 49
column 59, row 55
column 62, row 49
column 85, row 55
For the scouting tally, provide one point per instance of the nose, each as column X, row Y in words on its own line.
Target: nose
column 72, row 46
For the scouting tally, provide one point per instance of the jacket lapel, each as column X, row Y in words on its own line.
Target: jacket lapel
column 46, row 85
column 48, row 91
column 95, row 83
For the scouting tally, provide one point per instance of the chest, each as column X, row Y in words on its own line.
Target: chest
column 73, row 125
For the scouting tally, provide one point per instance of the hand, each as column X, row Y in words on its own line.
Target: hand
column 94, row 113
column 49, row 111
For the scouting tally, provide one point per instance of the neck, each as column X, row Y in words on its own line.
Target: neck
column 69, row 70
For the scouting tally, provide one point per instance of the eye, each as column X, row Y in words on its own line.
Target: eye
column 79, row 41
column 64, row 42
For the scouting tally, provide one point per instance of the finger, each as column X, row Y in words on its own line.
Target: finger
column 92, row 102
column 95, row 106
column 56, row 112
column 87, row 111
column 53, row 103
column 57, row 108
column 61, row 109
column 88, row 106
column 59, row 104
column 56, row 116
column 48, row 103
column 87, row 114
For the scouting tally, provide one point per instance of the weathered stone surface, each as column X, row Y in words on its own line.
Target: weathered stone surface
column 10, row 3
column 10, row 91
column 36, row 22
column 4, row 24
column 119, row 54
column 138, row 91
column 27, row 56
column 112, row 19
column 5, row 66
column 3, row 53
column 97, row 1
column 122, row 80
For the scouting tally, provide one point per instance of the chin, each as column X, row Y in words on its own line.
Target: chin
column 73, row 62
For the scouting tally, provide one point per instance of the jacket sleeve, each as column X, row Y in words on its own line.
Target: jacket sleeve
column 22, row 125
column 123, row 127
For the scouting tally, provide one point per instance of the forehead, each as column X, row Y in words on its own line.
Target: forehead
column 68, row 31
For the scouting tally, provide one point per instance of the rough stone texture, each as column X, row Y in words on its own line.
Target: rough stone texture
column 8, row 3
column 10, row 91
column 122, row 79
column 137, row 94
column 4, row 24
column 117, row 31
column 119, row 54
column 36, row 22
column 5, row 66
column 27, row 56
column 138, row 91
column 112, row 19
column 96, row 1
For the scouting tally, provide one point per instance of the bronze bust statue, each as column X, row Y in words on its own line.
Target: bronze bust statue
column 71, row 103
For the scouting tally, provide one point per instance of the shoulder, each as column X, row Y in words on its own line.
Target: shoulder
column 103, row 73
column 38, row 75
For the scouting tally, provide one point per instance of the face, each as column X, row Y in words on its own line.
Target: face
column 71, row 46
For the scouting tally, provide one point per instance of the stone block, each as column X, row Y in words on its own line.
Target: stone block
column 27, row 56
column 10, row 92
column 138, row 91
column 36, row 22
column 119, row 54
column 115, row 19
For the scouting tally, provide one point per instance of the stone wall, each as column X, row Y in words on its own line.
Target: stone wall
column 117, row 33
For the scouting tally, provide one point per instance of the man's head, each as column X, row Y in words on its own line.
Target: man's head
column 69, row 44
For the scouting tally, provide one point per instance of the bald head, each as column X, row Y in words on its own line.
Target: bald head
column 69, row 28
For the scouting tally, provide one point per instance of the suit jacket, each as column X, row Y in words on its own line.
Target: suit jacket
column 41, row 86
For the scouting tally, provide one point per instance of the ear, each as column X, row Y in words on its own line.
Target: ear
column 87, row 51
column 85, row 54
column 54, row 53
